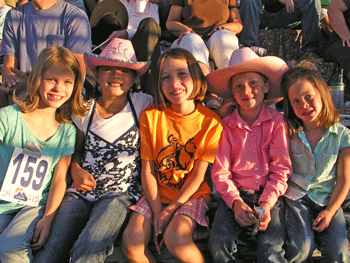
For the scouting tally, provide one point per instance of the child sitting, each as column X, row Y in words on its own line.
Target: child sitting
column 252, row 163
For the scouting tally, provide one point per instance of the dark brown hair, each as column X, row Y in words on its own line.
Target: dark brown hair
column 307, row 71
column 199, row 80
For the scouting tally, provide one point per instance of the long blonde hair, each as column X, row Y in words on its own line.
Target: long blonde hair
column 28, row 100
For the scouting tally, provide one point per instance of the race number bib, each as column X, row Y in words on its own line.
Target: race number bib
column 25, row 177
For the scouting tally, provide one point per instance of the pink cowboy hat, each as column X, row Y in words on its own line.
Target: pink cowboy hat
column 118, row 53
column 246, row 60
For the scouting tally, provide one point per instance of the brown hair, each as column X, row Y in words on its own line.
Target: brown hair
column 28, row 100
column 198, row 78
column 306, row 71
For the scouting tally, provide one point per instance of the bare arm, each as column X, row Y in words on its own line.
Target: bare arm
column 340, row 191
column 173, row 24
column 57, row 190
column 234, row 23
column 337, row 21
column 83, row 181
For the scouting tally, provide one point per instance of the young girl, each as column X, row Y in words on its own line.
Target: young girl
column 106, row 164
column 252, row 163
column 320, row 155
column 178, row 139
column 37, row 141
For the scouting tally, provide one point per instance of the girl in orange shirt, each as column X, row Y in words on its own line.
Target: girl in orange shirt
column 179, row 138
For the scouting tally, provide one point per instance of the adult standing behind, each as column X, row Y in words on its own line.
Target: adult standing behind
column 207, row 29
column 338, row 45
column 31, row 27
column 255, row 14
column 121, row 19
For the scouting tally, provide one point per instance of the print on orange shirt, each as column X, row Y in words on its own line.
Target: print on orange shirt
column 175, row 158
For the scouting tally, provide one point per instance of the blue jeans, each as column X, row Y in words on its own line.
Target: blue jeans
column 96, row 225
column 16, row 233
column 226, row 232
column 302, row 240
column 305, row 11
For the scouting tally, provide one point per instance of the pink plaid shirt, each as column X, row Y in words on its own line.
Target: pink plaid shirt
column 252, row 157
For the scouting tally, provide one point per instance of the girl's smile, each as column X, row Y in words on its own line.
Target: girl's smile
column 115, row 81
column 306, row 101
column 56, row 86
column 177, row 84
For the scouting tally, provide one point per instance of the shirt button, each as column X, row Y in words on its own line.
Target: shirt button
column 254, row 151
column 256, row 168
column 257, row 181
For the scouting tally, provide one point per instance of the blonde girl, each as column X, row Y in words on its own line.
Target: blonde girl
column 36, row 143
column 179, row 138
column 320, row 156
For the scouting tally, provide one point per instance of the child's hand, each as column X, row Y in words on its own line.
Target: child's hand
column 322, row 221
column 267, row 217
column 41, row 233
column 242, row 211
column 83, row 181
column 226, row 108
column 161, row 224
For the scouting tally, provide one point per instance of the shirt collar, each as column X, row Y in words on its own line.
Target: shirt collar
column 236, row 120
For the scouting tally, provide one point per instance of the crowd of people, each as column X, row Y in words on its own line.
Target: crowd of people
column 105, row 139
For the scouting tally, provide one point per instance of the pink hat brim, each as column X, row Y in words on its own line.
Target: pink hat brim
column 92, row 61
column 272, row 67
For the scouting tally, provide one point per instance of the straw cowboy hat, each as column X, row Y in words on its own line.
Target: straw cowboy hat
column 246, row 60
column 118, row 53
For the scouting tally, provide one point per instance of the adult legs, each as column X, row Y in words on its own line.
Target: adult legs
column 196, row 46
column 250, row 11
column 147, row 48
column 17, row 237
column 224, row 235
column 69, row 221
column 221, row 45
column 336, row 52
column 108, row 216
column 305, row 11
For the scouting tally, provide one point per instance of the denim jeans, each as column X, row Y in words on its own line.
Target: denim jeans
column 96, row 225
column 226, row 232
column 16, row 234
column 302, row 240
column 305, row 11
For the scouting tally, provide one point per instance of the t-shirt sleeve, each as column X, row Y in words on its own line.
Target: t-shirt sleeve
column 3, row 124
column 9, row 45
column 69, row 139
column 79, row 33
column 211, row 142
column 345, row 140
column 146, row 142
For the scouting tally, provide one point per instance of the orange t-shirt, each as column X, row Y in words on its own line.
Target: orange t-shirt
column 174, row 142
